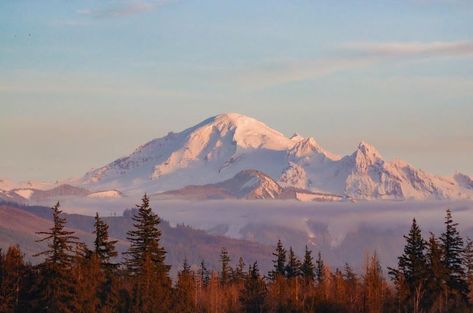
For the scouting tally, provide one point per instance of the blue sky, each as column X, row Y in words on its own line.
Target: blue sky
column 84, row 82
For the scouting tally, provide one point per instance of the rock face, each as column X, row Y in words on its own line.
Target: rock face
column 219, row 148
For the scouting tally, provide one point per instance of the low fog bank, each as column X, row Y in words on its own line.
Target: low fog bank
column 343, row 232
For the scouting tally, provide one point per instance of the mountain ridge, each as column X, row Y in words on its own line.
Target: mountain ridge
column 220, row 147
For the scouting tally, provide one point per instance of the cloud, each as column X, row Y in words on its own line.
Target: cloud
column 413, row 49
column 123, row 8
column 349, row 56
column 272, row 74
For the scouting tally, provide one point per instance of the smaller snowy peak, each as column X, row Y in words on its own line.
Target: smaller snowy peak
column 463, row 180
column 368, row 150
column 296, row 137
column 253, row 184
column 307, row 147
column 365, row 155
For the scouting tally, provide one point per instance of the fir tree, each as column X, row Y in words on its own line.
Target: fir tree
column 185, row 290
column 293, row 267
column 468, row 256
column 145, row 241
column 57, row 288
column 239, row 273
column 12, row 271
column 435, row 275
column 104, row 248
column 307, row 267
column 145, row 263
column 279, row 262
column 412, row 266
column 225, row 268
column 319, row 269
column 452, row 246
column 253, row 294
column 204, row 274
column 61, row 243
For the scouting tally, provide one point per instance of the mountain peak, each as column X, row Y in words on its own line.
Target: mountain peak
column 368, row 150
column 248, row 132
column 296, row 137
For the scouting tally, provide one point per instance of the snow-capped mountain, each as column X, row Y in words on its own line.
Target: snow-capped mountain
column 220, row 147
column 29, row 194
column 250, row 185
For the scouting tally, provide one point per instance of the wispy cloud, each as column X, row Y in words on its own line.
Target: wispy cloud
column 123, row 8
column 350, row 56
column 277, row 73
column 411, row 49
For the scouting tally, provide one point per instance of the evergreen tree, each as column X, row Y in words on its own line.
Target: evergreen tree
column 452, row 246
column 145, row 241
column 57, row 288
column 239, row 274
column 89, row 281
column 104, row 248
column 412, row 266
column 12, row 271
column 253, row 294
column 436, row 274
column 319, row 269
column 468, row 256
column 293, row 267
column 145, row 263
column 204, row 274
column 184, row 301
column 225, row 268
column 307, row 267
column 279, row 262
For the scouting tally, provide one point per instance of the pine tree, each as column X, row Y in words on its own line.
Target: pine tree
column 468, row 256
column 145, row 241
column 293, row 267
column 436, row 275
column 239, row 274
column 412, row 266
column 307, row 267
column 204, row 274
column 225, row 268
column 185, row 290
column 452, row 246
column 145, row 263
column 319, row 269
column 12, row 271
column 57, row 286
column 279, row 262
column 352, row 284
column 253, row 294
column 89, row 280
column 104, row 248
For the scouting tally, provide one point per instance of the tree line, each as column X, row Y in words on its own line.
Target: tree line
column 432, row 275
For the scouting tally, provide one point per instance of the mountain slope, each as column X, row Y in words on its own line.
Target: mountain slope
column 219, row 148
column 19, row 224
column 250, row 185
column 212, row 151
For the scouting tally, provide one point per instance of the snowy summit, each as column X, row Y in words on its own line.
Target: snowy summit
column 222, row 146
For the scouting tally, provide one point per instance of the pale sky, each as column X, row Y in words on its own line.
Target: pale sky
column 84, row 82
